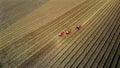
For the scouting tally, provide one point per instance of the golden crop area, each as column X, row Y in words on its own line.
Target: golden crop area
column 44, row 34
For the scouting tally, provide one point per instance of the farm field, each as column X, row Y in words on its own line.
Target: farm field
column 29, row 34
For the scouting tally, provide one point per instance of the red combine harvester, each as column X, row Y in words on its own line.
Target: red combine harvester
column 68, row 32
column 61, row 34
column 78, row 27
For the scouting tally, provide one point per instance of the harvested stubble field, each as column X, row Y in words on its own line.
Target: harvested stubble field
column 29, row 34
